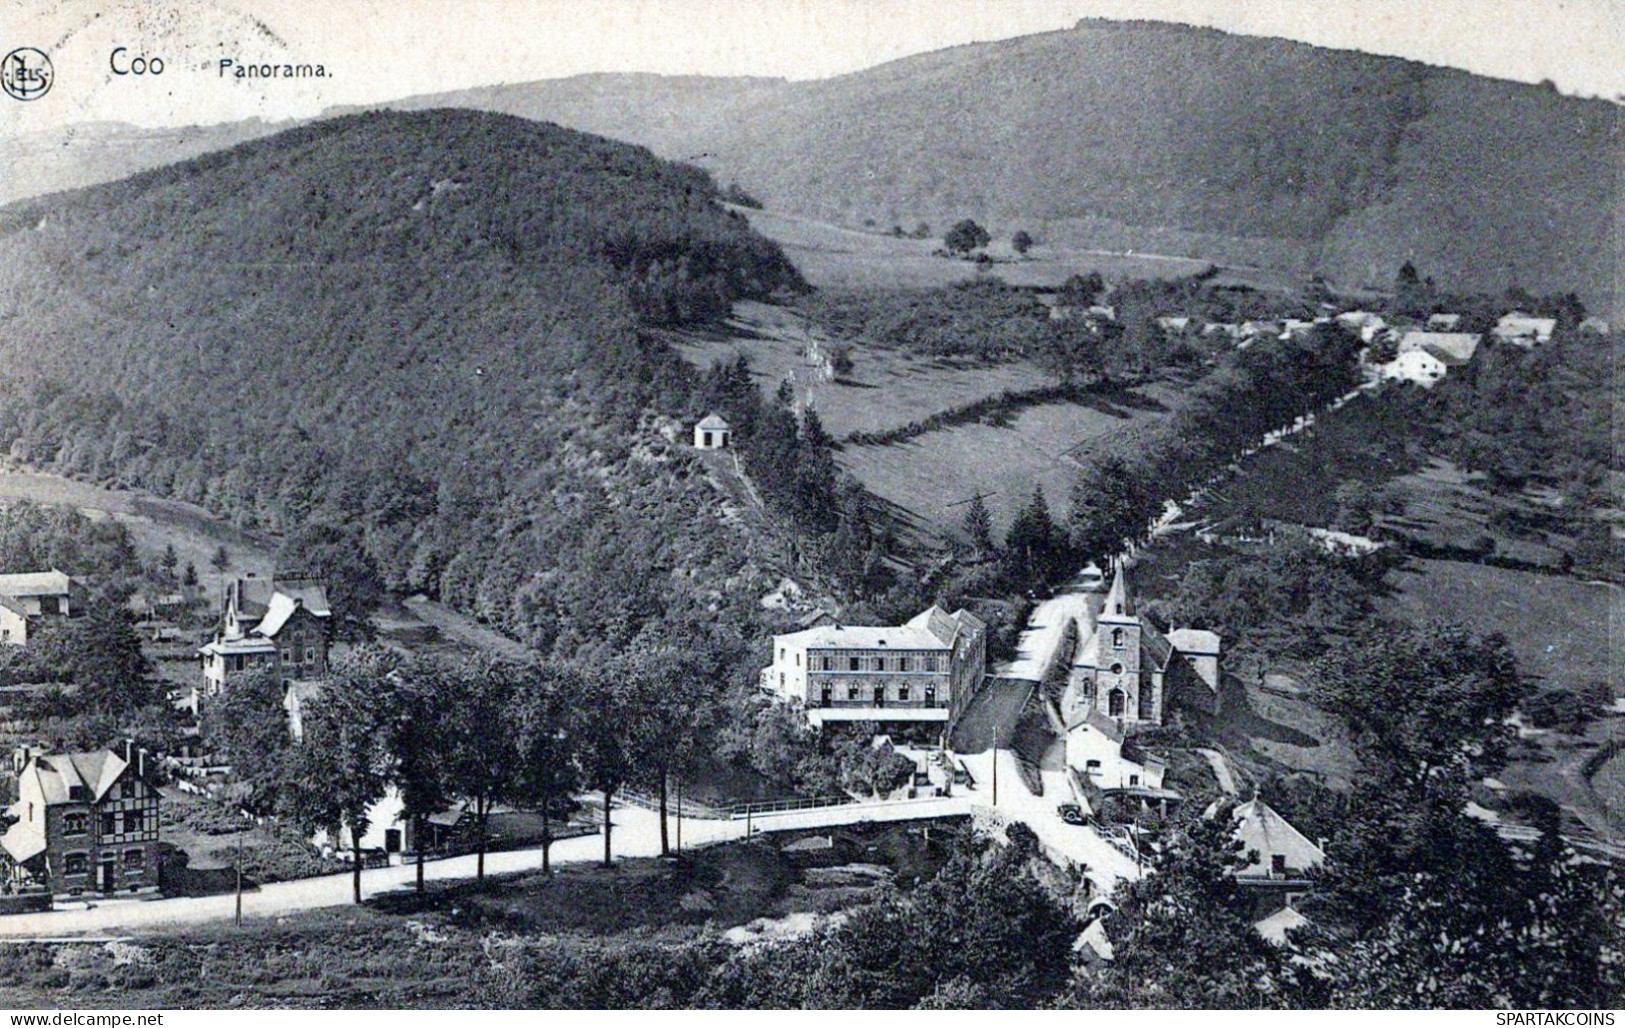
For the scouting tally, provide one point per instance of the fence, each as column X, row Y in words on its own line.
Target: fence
column 733, row 811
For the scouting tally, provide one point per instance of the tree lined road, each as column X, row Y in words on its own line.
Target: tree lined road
column 637, row 834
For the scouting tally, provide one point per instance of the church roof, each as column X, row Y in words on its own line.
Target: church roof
column 1119, row 601
column 712, row 423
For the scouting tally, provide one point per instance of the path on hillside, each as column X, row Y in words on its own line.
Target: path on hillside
column 636, row 834
column 464, row 629
column 1221, row 770
column 1043, row 634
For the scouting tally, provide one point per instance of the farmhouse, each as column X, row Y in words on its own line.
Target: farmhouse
column 1523, row 330
column 1124, row 667
column 85, row 823
column 26, row 598
column 1451, row 348
column 1443, row 322
column 280, row 623
column 712, row 433
column 1417, row 366
column 923, row 671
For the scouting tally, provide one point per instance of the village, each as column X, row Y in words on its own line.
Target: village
column 85, row 826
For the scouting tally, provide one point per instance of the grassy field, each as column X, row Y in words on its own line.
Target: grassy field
column 1559, row 627
column 830, row 255
column 933, row 475
column 1563, row 633
column 927, row 478
column 886, row 389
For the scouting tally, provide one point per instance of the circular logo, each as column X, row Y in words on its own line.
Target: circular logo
column 26, row 74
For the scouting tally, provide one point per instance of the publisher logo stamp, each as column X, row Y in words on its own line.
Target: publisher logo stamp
column 26, row 74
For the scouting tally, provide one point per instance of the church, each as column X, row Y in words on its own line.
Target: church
column 1124, row 668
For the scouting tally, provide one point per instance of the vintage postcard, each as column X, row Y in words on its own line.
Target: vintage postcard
column 835, row 504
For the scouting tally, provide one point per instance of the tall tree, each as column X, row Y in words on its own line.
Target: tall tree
column 979, row 525
column 247, row 727
column 612, row 725
column 338, row 554
column 547, row 738
column 343, row 764
column 423, row 746
column 482, row 766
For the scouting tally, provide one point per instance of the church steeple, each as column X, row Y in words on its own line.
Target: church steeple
column 1119, row 602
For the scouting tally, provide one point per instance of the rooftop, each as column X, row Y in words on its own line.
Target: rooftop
column 35, row 583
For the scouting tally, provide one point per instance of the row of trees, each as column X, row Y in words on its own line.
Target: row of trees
column 482, row 732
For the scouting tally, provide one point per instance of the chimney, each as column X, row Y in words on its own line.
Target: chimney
column 141, row 763
column 129, row 751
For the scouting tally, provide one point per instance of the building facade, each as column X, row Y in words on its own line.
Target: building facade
column 87, row 824
column 26, row 598
column 923, row 671
column 1124, row 668
column 280, row 623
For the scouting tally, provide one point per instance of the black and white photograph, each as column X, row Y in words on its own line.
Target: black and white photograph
column 814, row 505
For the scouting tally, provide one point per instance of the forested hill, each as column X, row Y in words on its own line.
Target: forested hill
column 422, row 330
column 1161, row 138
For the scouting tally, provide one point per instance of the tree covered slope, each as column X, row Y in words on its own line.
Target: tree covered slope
column 423, row 328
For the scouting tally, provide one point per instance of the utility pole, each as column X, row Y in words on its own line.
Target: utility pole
column 239, row 915
column 995, row 763
column 679, row 815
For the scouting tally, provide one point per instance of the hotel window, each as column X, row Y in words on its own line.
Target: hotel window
column 74, row 864
column 903, row 663
column 852, row 663
column 798, row 658
column 287, row 656
column 132, row 820
column 109, row 824
column 72, row 824
column 902, row 693
column 134, row 858
column 829, row 663
column 310, row 655
column 852, row 693
column 1278, row 863
column 126, row 789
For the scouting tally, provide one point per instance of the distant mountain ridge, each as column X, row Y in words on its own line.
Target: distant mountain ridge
column 1160, row 138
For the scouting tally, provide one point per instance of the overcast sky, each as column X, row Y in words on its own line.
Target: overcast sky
column 381, row 49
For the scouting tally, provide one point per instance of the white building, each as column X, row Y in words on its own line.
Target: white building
column 1417, row 366
column 1094, row 749
column 925, row 670
column 1524, row 330
column 25, row 598
column 712, row 433
column 1453, row 348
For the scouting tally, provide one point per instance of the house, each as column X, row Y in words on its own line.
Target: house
column 1596, row 326
column 25, row 598
column 712, row 433
column 1524, row 330
column 1124, row 667
column 1279, row 857
column 1451, row 348
column 1174, row 326
column 87, row 823
column 1443, row 322
column 923, row 671
column 1417, row 366
column 1094, row 748
column 280, row 623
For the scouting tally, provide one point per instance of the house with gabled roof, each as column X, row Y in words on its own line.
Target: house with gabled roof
column 28, row 597
column 280, row 623
column 86, row 823
column 1279, row 857
column 1525, row 330
column 925, row 670
column 712, row 433
column 1451, row 348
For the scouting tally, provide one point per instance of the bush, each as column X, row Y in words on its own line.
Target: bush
column 1562, row 709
